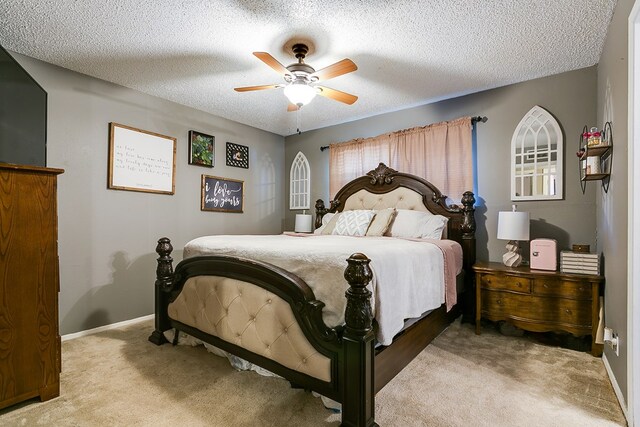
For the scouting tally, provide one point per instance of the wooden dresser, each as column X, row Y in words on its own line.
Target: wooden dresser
column 29, row 284
column 539, row 300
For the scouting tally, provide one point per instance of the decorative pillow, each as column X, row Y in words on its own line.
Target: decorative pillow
column 417, row 225
column 331, row 225
column 353, row 223
column 434, row 228
column 380, row 223
column 325, row 220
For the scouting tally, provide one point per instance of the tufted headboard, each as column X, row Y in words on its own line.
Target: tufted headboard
column 384, row 187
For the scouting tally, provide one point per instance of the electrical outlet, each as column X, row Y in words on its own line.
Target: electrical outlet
column 611, row 339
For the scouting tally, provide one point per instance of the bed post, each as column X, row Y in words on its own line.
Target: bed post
column 164, row 279
column 320, row 211
column 468, row 229
column 357, row 392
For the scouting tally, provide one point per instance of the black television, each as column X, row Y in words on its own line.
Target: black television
column 23, row 115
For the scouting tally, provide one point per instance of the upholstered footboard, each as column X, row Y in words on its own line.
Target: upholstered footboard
column 249, row 317
column 270, row 317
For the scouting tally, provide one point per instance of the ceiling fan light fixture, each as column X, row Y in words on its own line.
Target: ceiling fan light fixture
column 299, row 93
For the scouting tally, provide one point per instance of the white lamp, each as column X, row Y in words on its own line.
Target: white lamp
column 299, row 92
column 303, row 223
column 513, row 226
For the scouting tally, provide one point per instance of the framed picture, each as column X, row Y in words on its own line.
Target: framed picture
column 237, row 155
column 201, row 149
column 222, row 194
column 140, row 160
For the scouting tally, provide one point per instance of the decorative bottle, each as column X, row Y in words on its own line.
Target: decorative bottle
column 593, row 137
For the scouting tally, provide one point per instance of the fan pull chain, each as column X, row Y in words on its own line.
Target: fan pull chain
column 298, row 121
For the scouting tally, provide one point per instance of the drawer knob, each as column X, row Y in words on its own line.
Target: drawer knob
column 545, row 286
column 581, row 289
column 488, row 280
column 519, row 284
column 499, row 301
column 567, row 311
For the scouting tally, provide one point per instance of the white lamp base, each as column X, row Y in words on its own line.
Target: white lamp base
column 512, row 257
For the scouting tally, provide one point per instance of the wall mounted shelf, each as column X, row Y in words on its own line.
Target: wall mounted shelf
column 595, row 161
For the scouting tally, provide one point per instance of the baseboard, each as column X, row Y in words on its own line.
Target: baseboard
column 106, row 327
column 616, row 387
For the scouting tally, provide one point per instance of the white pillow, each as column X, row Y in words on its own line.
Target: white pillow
column 418, row 225
column 325, row 220
column 353, row 223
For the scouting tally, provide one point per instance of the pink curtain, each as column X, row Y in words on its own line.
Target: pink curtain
column 441, row 153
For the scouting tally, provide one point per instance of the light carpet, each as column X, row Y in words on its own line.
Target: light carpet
column 118, row 378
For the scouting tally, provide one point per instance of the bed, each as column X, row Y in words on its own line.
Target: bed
column 282, row 326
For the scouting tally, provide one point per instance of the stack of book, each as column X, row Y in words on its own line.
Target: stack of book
column 579, row 262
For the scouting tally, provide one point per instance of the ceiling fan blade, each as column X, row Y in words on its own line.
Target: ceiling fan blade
column 272, row 62
column 337, row 95
column 339, row 68
column 250, row 88
column 292, row 107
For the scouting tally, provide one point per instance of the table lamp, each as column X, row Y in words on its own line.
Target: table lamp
column 303, row 223
column 513, row 226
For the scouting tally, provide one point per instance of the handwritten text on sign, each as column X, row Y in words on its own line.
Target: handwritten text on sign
column 141, row 161
column 222, row 194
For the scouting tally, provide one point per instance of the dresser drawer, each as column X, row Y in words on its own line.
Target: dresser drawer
column 561, row 288
column 569, row 311
column 500, row 303
column 507, row 283
column 541, row 309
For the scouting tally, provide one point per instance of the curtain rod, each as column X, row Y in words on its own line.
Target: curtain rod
column 477, row 119
column 474, row 120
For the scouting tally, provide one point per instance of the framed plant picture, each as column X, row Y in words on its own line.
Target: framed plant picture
column 237, row 155
column 201, row 149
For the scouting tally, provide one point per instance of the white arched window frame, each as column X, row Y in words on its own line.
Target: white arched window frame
column 537, row 148
column 299, row 183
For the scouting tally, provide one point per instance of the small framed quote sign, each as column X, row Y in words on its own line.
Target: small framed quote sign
column 222, row 194
column 141, row 161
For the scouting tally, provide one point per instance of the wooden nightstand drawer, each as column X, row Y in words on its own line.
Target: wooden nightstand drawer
column 503, row 305
column 499, row 303
column 561, row 288
column 507, row 283
column 568, row 311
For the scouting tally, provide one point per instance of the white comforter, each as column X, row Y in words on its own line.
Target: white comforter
column 408, row 276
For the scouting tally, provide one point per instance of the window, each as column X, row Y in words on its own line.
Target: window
column 536, row 157
column 441, row 153
column 300, row 183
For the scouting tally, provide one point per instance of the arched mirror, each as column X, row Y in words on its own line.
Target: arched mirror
column 537, row 146
column 299, row 183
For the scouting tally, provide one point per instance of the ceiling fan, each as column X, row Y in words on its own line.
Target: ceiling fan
column 300, row 87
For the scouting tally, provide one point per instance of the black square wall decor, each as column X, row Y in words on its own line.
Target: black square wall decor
column 237, row 155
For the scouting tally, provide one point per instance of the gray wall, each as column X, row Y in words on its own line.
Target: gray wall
column 613, row 205
column 107, row 237
column 570, row 97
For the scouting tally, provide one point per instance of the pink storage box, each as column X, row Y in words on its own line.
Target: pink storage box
column 544, row 254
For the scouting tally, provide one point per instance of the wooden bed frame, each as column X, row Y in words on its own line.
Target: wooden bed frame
column 358, row 370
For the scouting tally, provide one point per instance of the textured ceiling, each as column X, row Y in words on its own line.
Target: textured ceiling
column 408, row 53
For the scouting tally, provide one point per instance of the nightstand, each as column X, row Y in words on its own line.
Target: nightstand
column 539, row 300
